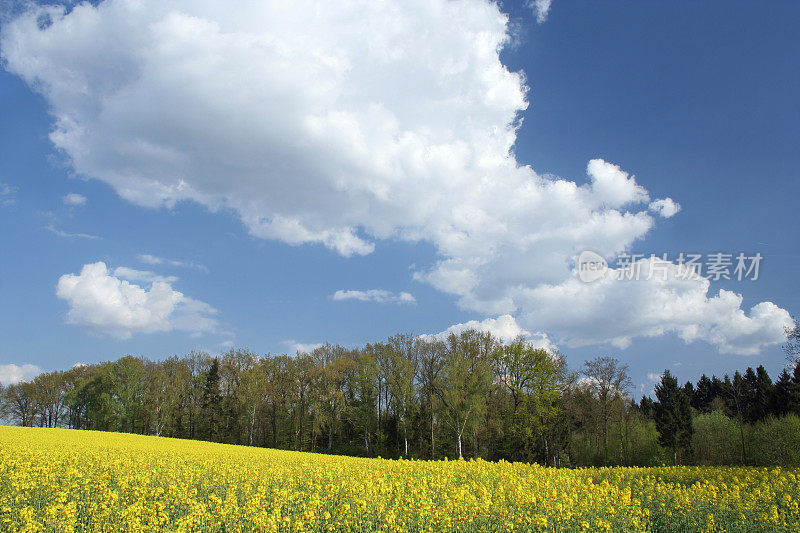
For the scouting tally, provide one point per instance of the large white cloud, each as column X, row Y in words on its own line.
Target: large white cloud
column 107, row 304
column 616, row 309
column 342, row 124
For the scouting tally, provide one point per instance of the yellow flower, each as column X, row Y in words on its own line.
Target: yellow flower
column 62, row 480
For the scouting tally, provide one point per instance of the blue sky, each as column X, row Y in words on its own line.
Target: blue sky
column 697, row 100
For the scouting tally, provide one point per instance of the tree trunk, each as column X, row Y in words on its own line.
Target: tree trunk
column 302, row 417
column 433, row 439
column 741, row 432
column 547, row 451
column 274, row 420
column 252, row 423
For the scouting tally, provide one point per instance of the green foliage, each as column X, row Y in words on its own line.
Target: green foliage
column 775, row 441
column 714, row 440
column 421, row 397
column 532, row 378
column 644, row 448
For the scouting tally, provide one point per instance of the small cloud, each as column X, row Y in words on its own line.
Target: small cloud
column 649, row 386
column 150, row 259
column 504, row 327
column 8, row 194
column 107, row 303
column 74, row 199
column 666, row 207
column 131, row 274
column 55, row 231
column 155, row 260
column 375, row 295
column 10, row 374
column 541, row 8
column 299, row 347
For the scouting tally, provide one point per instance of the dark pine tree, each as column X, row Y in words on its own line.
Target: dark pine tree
column 688, row 388
column 794, row 391
column 763, row 395
column 749, row 407
column 673, row 415
column 646, row 405
column 212, row 403
column 719, row 389
column 782, row 399
column 703, row 395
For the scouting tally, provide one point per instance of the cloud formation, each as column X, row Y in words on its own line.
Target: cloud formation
column 375, row 295
column 541, row 8
column 344, row 124
column 649, row 386
column 8, row 194
column 66, row 235
column 299, row 347
column 504, row 327
column 108, row 304
column 147, row 276
column 155, row 260
column 74, row 199
column 666, row 207
column 616, row 311
column 11, row 373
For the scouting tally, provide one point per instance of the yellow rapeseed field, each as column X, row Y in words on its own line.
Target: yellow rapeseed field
column 64, row 480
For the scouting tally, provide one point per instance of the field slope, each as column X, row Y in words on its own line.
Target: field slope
column 65, row 480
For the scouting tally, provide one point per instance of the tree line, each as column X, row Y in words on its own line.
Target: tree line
column 468, row 395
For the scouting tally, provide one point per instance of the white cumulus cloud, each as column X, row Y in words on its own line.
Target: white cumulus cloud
column 666, row 207
column 671, row 300
column 106, row 303
column 346, row 123
column 11, row 373
column 300, row 347
column 375, row 295
column 504, row 327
